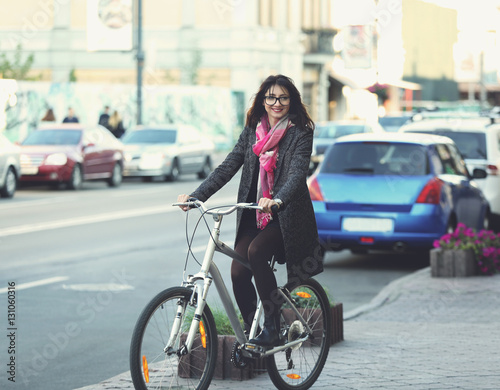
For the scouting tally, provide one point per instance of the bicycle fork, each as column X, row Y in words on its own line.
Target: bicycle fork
column 198, row 299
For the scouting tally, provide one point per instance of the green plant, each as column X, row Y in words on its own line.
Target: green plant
column 222, row 322
column 16, row 69
column 485, row 244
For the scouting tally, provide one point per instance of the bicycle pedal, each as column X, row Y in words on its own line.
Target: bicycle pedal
column 254, row 349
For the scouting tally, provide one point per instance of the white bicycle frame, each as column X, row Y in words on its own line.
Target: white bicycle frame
column 210, row 272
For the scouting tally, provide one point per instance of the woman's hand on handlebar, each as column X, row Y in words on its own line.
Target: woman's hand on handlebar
column 266, row 204
column 183, row 198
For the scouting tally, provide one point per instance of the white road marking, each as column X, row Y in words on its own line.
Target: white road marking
column 97, row 287
column 35, row 227
column 37, row 283
column 83, row 220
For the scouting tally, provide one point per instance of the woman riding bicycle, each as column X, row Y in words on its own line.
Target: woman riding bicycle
column 274, row 149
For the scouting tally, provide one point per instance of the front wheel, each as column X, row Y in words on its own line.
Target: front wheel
column 9, row 188
column 151, row 366
column 299, row 366
column 76, row 180
column 116, row 176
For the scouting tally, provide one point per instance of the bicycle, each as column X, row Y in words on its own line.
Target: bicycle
column 174, row 343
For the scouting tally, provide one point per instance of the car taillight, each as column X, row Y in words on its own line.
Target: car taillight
column 314, row 189
column 431, row 193
column 492, row 170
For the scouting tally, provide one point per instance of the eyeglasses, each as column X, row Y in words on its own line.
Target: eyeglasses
column 271, row 100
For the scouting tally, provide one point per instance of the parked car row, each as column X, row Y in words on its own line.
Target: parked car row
column 71, row 154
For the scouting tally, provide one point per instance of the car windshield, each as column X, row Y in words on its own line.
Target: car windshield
column 376, row 158
column 392, row 123
column 337, row 130
column 53, row 137
column 471, row 144
column 150, row 137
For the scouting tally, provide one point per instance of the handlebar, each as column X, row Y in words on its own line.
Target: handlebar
column 195, row 203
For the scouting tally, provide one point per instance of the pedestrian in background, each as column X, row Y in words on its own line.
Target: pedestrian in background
column 104, row 117
column 115, row 125
column 49, row 116
column 71, row 118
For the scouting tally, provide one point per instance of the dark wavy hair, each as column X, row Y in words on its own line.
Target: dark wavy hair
column 298, row 112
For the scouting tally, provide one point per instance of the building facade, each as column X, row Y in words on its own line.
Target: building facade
column 232, row 44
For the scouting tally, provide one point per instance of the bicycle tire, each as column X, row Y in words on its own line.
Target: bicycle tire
column 298, row 368
column 151, row 334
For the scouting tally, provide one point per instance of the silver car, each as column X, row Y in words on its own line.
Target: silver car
column 166, row 152
column 10, row 167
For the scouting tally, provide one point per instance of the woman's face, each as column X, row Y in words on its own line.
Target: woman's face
column 278, row 109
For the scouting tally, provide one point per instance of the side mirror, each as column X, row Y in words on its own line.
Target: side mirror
column 479, row 173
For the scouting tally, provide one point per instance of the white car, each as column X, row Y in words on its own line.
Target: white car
column 10, row 168
column 478, row 140
column 326, row 133
column 166, row 152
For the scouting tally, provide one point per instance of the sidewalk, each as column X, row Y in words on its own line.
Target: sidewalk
column 418, row 333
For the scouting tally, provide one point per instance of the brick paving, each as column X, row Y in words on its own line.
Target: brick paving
column 418, row 333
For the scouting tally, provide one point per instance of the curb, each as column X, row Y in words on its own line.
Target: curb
column 388, row 294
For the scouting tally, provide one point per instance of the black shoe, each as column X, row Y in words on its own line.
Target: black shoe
column 266, row 338
column 269, row 337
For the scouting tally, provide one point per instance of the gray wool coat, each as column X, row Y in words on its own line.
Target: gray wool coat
column 304, row 255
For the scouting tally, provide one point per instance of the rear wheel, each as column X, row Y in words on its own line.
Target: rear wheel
column 174, row 173
column 487, row 224
column 76, row 180
column 452, row 225
column 116, row 176
column 152, row 367
column 206, row 169
column 9, row 188
column 299, row 366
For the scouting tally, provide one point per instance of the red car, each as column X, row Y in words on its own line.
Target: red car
column 71, row 153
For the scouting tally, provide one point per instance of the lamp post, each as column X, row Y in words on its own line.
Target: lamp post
column 140, row 62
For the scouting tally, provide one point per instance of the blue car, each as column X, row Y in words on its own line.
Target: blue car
column 394, row 191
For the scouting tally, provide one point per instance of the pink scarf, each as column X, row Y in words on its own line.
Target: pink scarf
column 266, row 148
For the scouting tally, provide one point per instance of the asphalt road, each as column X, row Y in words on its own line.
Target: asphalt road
column 85, row 263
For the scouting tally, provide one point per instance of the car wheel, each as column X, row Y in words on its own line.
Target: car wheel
column 116, row 176
column 174, row 173
column 206, row 169
column 9, row 188
column 76, row 181
column 487, row 224
column 452, row 225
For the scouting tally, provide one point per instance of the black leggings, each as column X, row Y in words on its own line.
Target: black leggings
column 258, row 247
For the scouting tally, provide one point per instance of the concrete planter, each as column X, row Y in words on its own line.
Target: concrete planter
column 451, row 263
column 337, row 323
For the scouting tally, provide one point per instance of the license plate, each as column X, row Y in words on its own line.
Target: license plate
column 378, row 225
column 29, row 170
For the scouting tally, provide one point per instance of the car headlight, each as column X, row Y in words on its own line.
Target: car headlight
column 56, row 159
